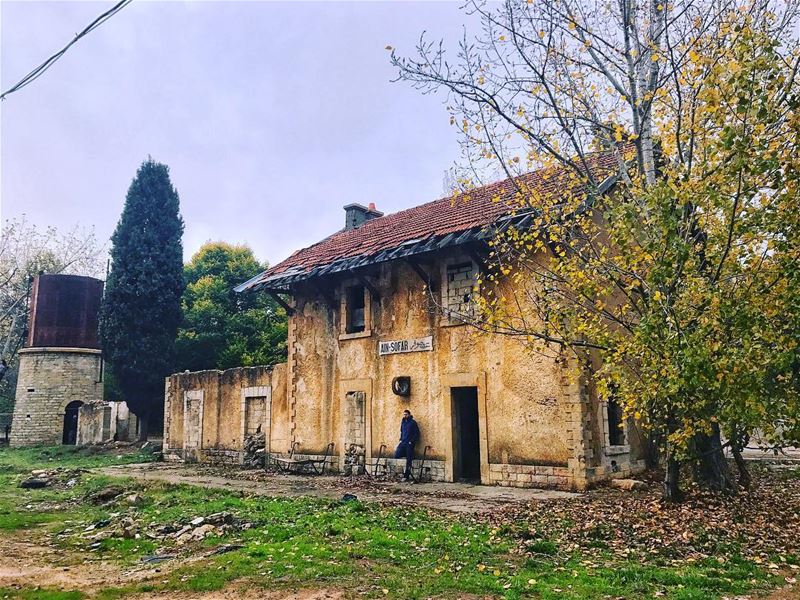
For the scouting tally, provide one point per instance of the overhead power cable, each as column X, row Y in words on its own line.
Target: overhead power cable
column 39, row 71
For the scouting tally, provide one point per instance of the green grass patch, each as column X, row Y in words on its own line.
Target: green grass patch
column 49, row 457
column 375, row 550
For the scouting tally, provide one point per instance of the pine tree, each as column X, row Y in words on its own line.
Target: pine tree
column 141, row 308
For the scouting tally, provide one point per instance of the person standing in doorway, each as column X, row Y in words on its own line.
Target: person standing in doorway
column 409, row 436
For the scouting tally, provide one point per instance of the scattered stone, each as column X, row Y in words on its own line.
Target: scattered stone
column 34, row 483
column 197, row 521
column 106, row 494
column 203, row 531
column 226, row 548
column 156, row 558
column 255, row 451
column 628, row 484
column 182, row 531
column 349, row 498
column 98, row 525
column 134, row 500
column 220, row 518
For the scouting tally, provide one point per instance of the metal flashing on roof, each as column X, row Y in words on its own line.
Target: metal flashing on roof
column 283, row 281
column 361, row 247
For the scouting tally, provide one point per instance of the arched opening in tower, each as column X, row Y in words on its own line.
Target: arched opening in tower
column 70, row 435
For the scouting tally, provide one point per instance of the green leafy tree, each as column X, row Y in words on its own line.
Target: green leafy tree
column 679, row 284
column 222, row 329
column 141, row 308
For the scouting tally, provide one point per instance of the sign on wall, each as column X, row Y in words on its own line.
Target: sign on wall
column 399, row 346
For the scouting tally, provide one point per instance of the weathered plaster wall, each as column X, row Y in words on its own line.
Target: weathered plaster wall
column 216, row 419
column 49, row 379
column 527, row 419
column 539, row 423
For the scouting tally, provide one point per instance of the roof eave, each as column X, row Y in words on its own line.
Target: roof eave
column 281, row 282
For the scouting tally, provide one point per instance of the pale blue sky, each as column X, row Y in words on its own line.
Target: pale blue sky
column 271, row 116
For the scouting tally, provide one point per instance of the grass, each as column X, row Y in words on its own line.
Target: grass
column 87, row 457
column 376, row 550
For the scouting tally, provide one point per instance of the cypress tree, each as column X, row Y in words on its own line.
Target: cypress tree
column 141, row 308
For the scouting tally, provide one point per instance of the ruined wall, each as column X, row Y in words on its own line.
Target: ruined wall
column 205, row 412
column 49, row 379
column 535, row 421
column 94, row 423
column 100, row 422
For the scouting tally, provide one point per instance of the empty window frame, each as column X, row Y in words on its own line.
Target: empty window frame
column 616, row 431
column 355, row 309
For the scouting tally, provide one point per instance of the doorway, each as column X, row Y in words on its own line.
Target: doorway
column 70, row 434
column 466, row 438
column 192, row 424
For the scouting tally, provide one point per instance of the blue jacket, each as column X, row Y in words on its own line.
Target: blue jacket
column 409, row 431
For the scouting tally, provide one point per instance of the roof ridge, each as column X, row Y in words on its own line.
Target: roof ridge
column 382, row 236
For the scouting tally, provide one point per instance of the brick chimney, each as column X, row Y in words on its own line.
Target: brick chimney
column 356, row 214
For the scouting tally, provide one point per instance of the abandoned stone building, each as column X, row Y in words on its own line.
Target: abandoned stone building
column 376, row 326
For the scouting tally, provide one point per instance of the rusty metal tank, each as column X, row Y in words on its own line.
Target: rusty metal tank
column 64, row 312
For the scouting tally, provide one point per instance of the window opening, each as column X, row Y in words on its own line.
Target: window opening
column 355, row 309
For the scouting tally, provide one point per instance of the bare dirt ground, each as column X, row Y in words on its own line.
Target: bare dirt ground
column 454, row 497
column 23, row 561
column 241, row 592
column 26, row 559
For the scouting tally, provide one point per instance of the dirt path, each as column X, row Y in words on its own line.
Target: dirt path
column 454, row 497
column 27, row 560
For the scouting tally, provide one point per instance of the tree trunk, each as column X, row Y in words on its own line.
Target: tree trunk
column 712, row 470
column 745, row 480
column 672, row 491
column 652, row 455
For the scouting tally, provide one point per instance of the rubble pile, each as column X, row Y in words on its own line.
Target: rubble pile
column 125, row 526
column 255, row 451
column 60, row 477
column 354, row 460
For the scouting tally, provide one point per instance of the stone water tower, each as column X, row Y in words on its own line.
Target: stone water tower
column 60, row 367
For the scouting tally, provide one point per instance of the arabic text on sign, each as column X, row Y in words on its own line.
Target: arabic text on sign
column 399, row 346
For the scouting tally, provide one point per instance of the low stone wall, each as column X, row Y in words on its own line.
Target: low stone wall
column 530, row 476
column 221, row 457
column 616, row 466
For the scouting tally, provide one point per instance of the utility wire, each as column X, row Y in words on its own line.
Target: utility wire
column 39, row 71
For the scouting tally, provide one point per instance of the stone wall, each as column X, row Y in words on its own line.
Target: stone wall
column 100, row 422
column 49, row 379
column 539, row 424
column 94, row 423
column 208, row 414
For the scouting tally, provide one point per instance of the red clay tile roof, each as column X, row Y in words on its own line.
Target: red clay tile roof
column 478, row 207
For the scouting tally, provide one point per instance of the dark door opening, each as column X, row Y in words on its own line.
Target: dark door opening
column 466, row 440
column 70, row 436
